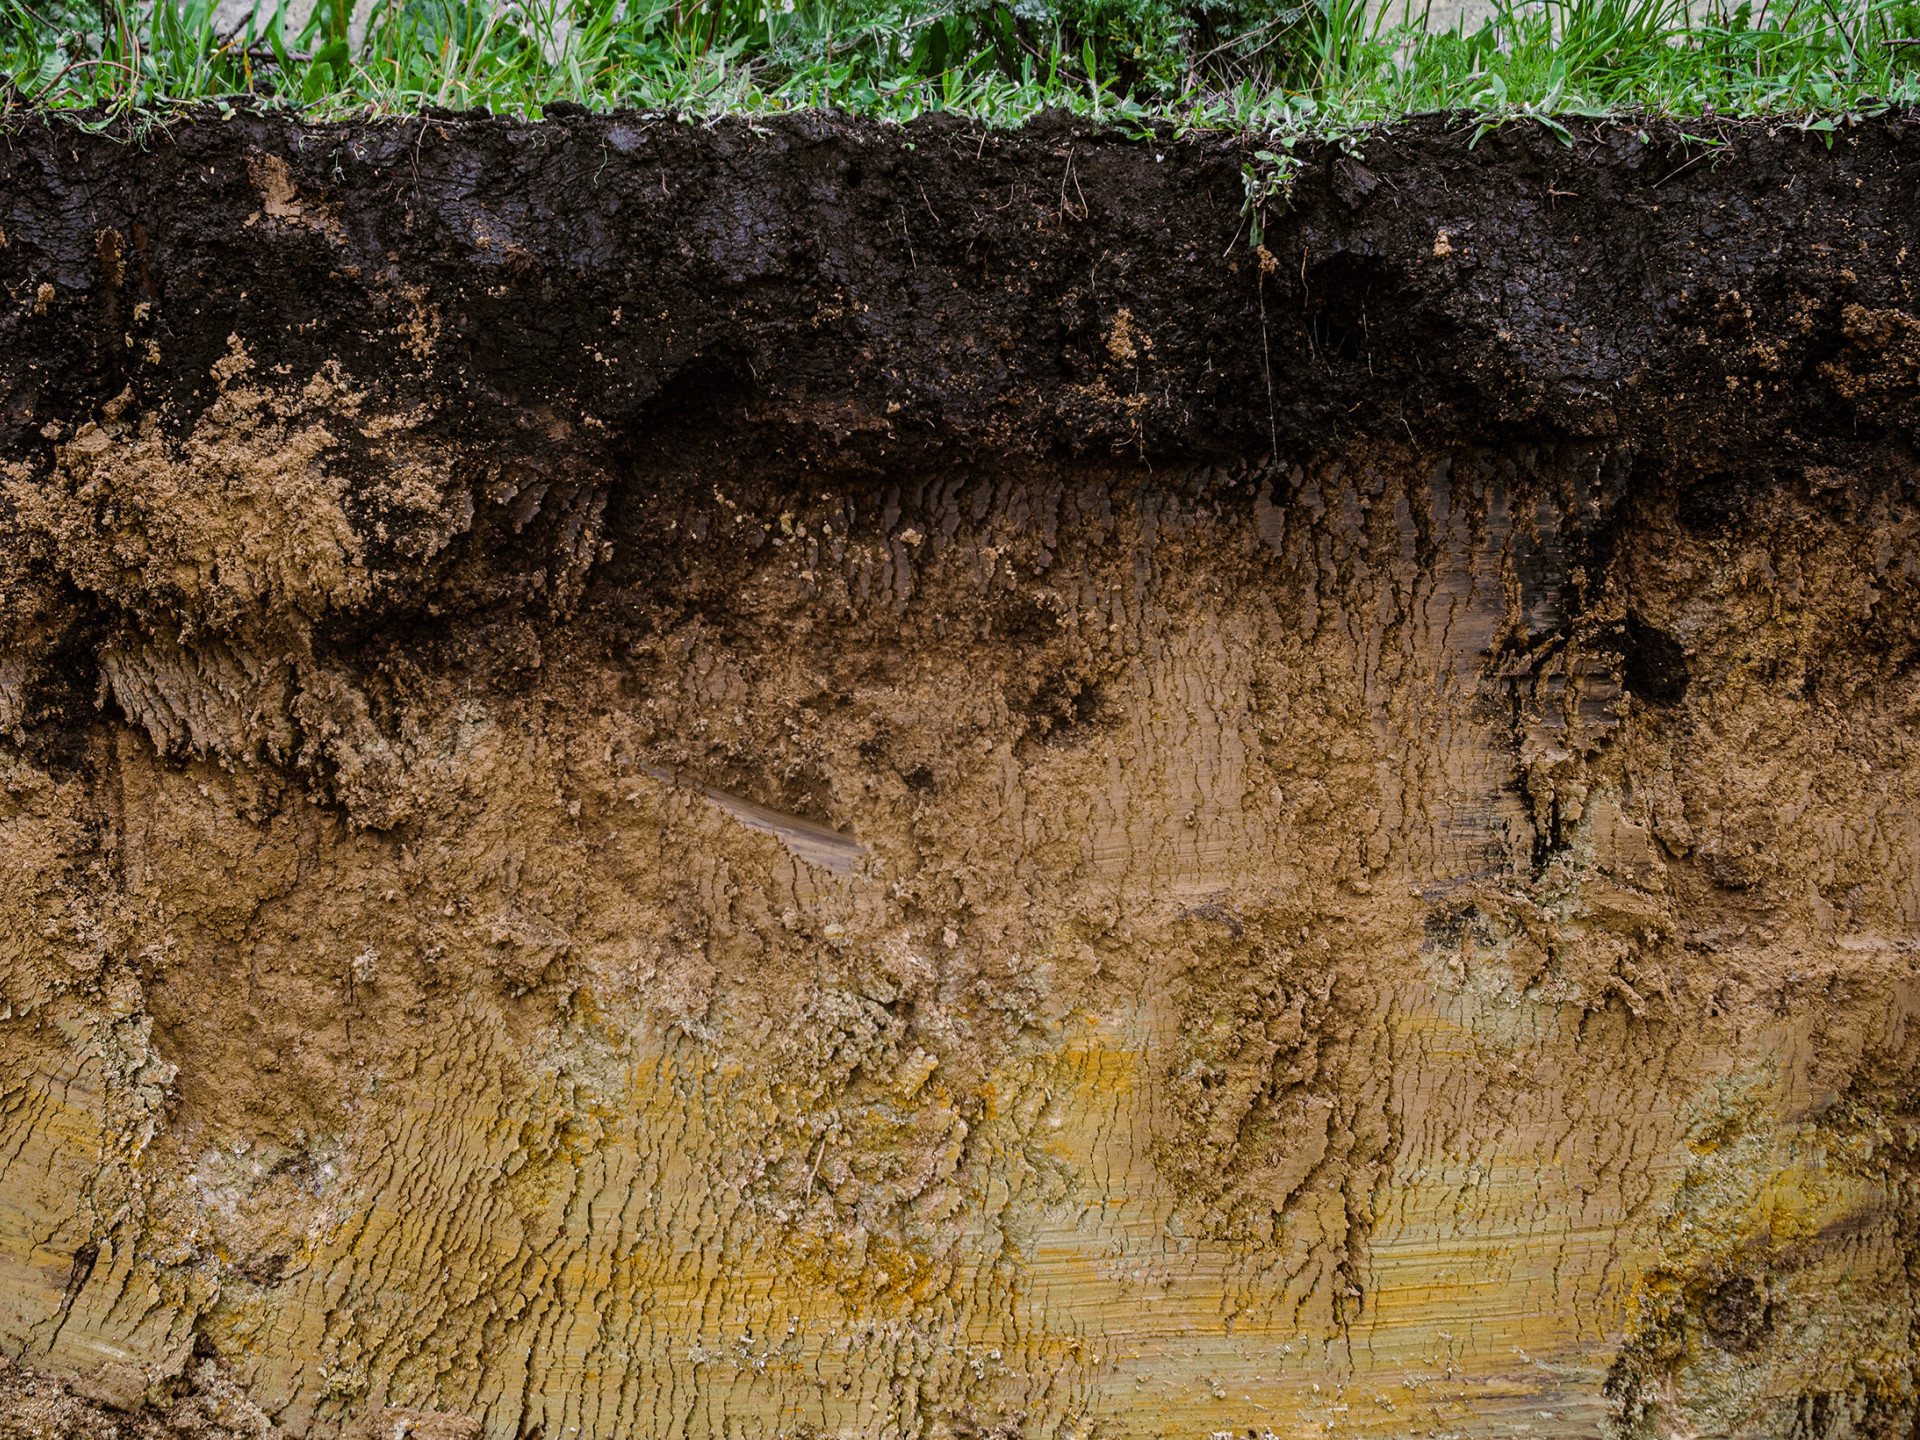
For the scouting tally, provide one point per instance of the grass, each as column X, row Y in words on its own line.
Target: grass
column 1287, row 69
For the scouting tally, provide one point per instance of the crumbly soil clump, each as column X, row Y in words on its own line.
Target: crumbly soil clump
column 807, row 779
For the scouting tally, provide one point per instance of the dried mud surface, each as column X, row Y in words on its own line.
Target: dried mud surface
column 811, row 780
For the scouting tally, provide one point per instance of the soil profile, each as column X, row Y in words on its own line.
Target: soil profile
column 799, row 778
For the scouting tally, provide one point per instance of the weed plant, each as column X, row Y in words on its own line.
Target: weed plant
column 1289, row 69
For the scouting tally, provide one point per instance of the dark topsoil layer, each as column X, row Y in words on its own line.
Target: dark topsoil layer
column 812, row 299
column 859, row 293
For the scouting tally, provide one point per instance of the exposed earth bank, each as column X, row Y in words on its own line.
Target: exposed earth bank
column 796, row 778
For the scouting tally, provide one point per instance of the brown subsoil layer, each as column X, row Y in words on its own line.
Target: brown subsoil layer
column 795, row 778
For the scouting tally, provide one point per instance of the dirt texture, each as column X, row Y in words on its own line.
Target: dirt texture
column 805, row 779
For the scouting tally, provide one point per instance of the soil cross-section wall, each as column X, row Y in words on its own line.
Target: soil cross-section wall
column 800, row 779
